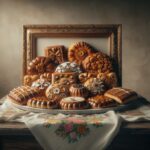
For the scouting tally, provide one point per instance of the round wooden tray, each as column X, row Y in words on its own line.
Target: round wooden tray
column 56, row 111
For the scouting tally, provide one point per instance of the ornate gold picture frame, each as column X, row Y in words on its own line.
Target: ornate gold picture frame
column 31, row 34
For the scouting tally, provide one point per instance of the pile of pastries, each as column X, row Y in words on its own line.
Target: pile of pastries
column 75, row 78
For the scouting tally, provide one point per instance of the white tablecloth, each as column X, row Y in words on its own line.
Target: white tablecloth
column 75, row 132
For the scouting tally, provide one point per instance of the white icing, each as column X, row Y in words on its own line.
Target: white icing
column 73, row 99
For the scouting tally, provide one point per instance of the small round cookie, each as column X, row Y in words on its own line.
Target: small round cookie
column 68, row 67
column 41, row 84
column 110, row 79
column 73, row 103
column 97, row 62
column 101, row 101
column 95, row 86
column 57, row 92
column 78, row 52
column 79, row 90
column 42, row 102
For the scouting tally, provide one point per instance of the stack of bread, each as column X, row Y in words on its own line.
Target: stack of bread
column 75, row 78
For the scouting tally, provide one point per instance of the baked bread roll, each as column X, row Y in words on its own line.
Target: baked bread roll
column 121, row 95
column 46, row 76
column 95, row 86
column 101, row 101
column 78, row 52
column 110, row 79
column 57, row 92
column 42, row 102
column 20, row 95
column 41, row 84
column 57, row 53
column 73, row 103
column 83, row 77
column 29, row 79
column 41, row 65
column 68, row 67
column 97, row 62
column 79, row 90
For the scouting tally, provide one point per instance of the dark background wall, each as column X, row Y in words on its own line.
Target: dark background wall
column 134, row 15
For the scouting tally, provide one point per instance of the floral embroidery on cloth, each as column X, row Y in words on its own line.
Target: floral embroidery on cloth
column 73, row 128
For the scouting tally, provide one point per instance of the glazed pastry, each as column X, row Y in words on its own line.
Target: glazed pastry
column 110, row 79
column 42, row 102
column 41, row 84
column 78, row 52
column 68, row 67
column 64, row 78
column 101, row 101
column 41, row 65
column 73, row 103
column 29, row 79
column 121, row 95
column 83, row 77
column 78, row 90
column 20, row 95
column 97, row 62
column 95, row 86
column 57, row 92
column 58, row 53
column 47, row 76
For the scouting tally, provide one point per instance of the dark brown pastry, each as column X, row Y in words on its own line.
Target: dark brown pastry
column 121, row 95
column 78, row 90
column 57, row 54
column 73, row 103
column 42, row 102
column 29, row 79
column 57, row 92
column 41, row 65
column 41, row 84
column 110, row 79
column 97, row 62
column 64, row 78
column 20, row 95
column 83, row 77
column 95, row 86
column 101, row 101
column 78, row 52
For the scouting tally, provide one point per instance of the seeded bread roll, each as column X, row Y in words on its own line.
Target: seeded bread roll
column 73, row 103
column 97, row 62
column 20, row 95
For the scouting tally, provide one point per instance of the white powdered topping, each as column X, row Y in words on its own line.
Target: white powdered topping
column 73, row 99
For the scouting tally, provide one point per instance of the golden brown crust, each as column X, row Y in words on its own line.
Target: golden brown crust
column 47, row 76
column 42, row 102
column 101, row 101
column 73, row 103
column 121, row 95
column 79, row 90
column 41, row 65
column 97, row 62
column 64, row 78
column 78, row 52
column 57, row 91
column 21, row 94
column 57, row 53
column 29, row 79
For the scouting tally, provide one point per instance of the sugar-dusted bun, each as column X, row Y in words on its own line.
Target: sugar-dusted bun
column 101, row 101
column 73, row 103
column 78, row 90
column 68, row 67
column 95, row 86
column 78, row 52
column 42, row 102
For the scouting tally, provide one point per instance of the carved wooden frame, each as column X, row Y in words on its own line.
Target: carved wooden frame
column 114, row 32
